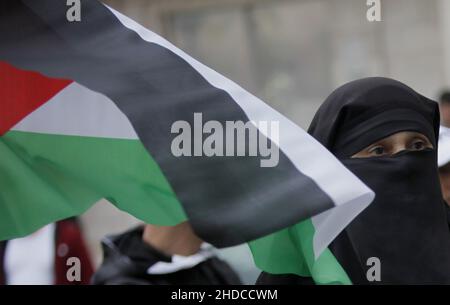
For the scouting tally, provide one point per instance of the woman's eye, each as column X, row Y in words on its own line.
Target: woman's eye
column 418, row 145
column 377, row 151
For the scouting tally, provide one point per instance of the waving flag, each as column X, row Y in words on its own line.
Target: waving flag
column 86, row 110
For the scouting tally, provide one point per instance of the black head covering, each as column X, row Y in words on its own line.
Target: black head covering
column 405, row 227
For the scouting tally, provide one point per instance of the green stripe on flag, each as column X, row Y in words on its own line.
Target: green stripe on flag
column 290, row 251
column 49, row 177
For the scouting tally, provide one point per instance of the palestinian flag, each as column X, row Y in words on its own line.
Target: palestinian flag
column 86, row 112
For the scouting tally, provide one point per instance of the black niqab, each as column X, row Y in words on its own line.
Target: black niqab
column 405, row 227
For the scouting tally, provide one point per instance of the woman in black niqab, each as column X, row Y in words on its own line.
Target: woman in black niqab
column 405, row 228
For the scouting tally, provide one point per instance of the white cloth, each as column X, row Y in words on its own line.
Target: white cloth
column 182, row 262
column 30, row 260
column 444, row 146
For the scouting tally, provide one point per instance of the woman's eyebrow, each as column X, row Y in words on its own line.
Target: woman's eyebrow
column 379, row 142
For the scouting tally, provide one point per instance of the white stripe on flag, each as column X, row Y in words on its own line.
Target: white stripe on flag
column 79, row 111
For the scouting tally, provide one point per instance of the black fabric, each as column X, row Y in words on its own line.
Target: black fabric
column 127, row 259
column 406, row 225
column 2, row 262
column 283, row 279
column 227, row 199
column 448, row 213
column 370, row 109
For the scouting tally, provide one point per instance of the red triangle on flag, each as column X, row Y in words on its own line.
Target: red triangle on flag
column 22, row 92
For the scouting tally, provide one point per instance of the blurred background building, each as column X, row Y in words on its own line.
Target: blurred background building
column 292, row 54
